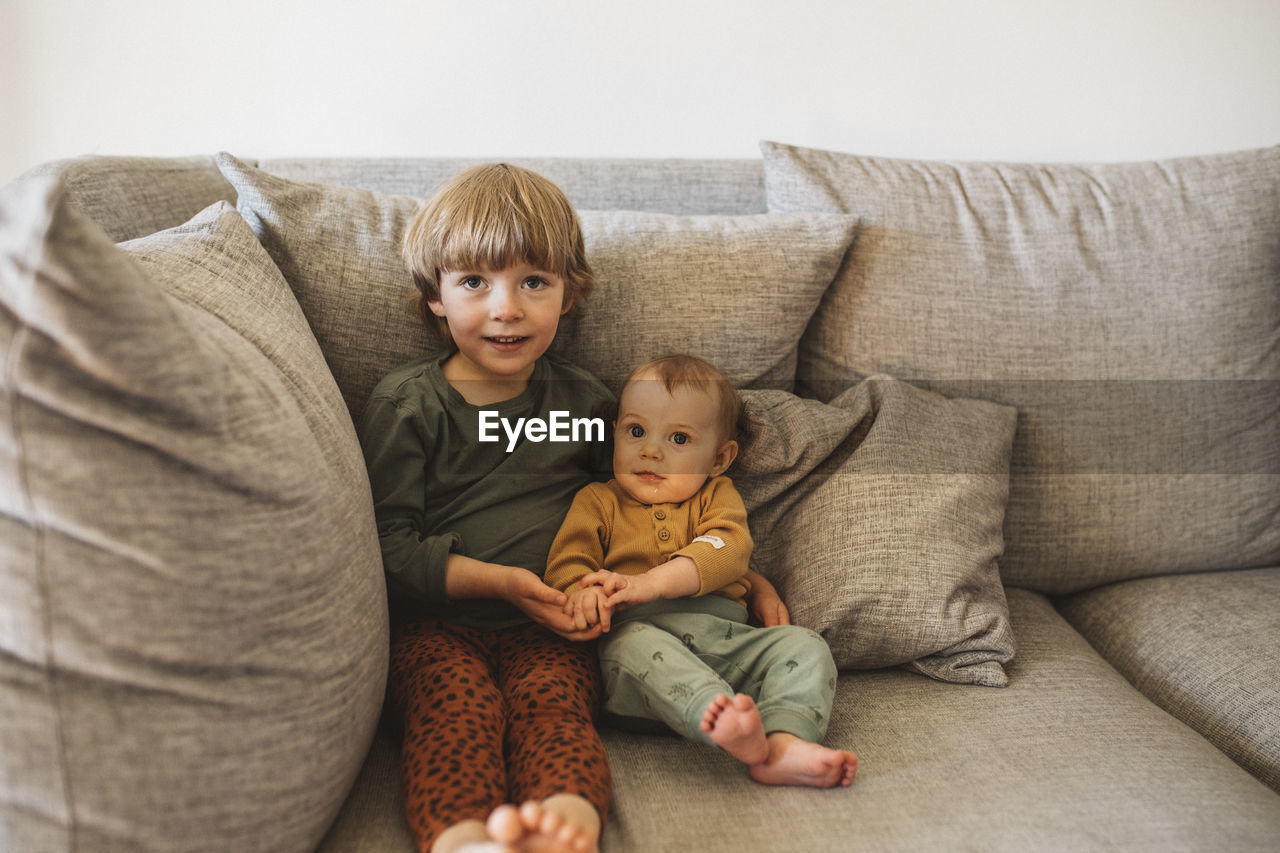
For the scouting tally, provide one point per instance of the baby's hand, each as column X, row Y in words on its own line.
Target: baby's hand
column 589, row 607
column 609, row 581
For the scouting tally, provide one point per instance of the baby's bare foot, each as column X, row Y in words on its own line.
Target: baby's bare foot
column 735, row 726
column 793, row 761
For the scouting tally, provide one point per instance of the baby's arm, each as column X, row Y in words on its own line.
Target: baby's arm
column 676, row 578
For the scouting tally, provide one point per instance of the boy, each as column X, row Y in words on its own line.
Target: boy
column 498, row 258
column 667, row 541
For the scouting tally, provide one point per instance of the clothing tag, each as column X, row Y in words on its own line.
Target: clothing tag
column 714, row 541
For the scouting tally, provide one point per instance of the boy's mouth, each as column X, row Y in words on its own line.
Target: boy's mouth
column 506, row 340
column 650, row 476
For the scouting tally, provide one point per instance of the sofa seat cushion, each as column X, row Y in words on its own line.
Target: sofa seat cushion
column 1202, row 646
column 193, row 628
column 1130, row 311
column 1068, row 757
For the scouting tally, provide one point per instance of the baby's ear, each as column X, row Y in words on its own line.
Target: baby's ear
column 724, row 458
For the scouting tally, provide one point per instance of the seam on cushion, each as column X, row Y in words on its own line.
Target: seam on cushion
column 16, row 402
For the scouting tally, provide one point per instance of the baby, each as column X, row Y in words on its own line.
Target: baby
column 659, row 557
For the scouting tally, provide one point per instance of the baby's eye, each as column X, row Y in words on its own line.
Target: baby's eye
column 635, row 431
column 679, row 438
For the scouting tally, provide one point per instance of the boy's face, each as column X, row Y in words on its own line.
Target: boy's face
column 666, row 445
column 501, row 320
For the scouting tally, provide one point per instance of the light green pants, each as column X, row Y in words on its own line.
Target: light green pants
column 668, row 666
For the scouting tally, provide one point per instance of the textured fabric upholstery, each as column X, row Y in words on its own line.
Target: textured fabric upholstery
column 1130, row 311
column 1202, row 646
column 878, row 517
column 664, row 283
column 1068, row 757
column 193, row 630
column 657, row 185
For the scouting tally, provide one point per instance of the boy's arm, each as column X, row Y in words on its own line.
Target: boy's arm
column 765, row 605
column 396, row 442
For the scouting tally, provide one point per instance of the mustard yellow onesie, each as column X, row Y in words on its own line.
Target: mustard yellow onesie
column 667, row 660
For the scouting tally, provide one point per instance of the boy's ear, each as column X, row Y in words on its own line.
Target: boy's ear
column 436, row 306
column 568, row 303
column 724, row 458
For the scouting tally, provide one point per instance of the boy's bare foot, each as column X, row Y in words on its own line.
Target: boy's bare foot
column 735, row 726
column 793, row 761
column 564, row 823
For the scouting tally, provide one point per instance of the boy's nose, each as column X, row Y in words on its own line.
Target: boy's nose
column 505, row 304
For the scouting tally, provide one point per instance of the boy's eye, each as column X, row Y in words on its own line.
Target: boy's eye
column 536, row 283
column 679, row 438
column 635, row 431
column 472, row 282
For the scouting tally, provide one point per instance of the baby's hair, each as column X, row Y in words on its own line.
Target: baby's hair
column 689, row 371
column 487, row 218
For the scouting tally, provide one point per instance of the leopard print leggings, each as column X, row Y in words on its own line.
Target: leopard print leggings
column 493, row 717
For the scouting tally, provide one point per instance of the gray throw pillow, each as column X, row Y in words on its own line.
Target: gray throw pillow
column 193, row 634
column 878, row 516
column 1130, row 312
column 736, row 290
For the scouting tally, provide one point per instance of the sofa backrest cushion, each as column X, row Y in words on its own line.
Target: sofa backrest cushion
column 1131, row 312
column 193, row 629
column 657, row 185
column 736, row 290
column 131, row 197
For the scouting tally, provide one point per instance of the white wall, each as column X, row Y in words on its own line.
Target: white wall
column 965, row 79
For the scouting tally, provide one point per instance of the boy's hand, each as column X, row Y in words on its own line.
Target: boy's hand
column 544, row 605
column 589, row 608
column 767, row 608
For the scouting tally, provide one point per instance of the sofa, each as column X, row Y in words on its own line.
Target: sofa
column 1011, row 445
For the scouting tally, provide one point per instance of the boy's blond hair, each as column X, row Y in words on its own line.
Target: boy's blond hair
column 487, row 218
column 689, row 371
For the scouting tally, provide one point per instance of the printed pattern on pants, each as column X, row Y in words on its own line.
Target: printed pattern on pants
column 668, row 667
column 493, row 717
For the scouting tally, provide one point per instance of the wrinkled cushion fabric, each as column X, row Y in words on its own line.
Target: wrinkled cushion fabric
column 1201, row 646
column 878, row 515
column 193, row 631
column 1131, row 312
column 664, row 283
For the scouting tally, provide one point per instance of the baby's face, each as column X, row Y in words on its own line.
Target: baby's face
column 666, row 445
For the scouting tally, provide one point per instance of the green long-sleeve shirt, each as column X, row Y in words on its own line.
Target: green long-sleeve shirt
column 439, row 489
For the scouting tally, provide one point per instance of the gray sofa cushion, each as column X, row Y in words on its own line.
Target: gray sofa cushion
column 132, row 197
column 878, row 516
column 664, row 185
column 1204, row 648
column 663, row 283
column 193, row 635
column 1068, row 757
column 1131, row 312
